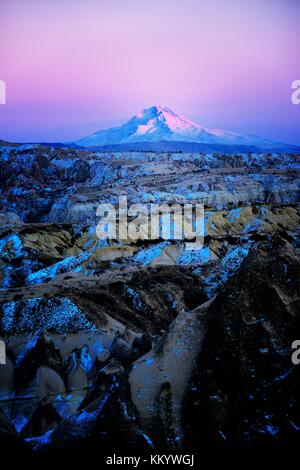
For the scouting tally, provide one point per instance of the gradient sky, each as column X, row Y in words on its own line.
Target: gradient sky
column 72, row 67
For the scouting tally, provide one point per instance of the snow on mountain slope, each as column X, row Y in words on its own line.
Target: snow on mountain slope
column 158, row 123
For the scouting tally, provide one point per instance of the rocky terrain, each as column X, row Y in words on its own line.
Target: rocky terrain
column 126, row 345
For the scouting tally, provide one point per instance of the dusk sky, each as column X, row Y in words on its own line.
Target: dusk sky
column 72, row 67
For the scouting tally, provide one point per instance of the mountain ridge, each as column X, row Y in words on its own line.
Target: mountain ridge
column 161, row 124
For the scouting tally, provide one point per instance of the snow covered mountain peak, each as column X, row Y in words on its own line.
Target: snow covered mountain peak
column 157, row 123
column 154, row 111
column 160, row 123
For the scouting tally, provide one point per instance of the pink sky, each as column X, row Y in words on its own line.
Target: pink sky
column 72, row 67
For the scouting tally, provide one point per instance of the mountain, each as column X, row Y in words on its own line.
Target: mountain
column 175, row 146
column 161, row 124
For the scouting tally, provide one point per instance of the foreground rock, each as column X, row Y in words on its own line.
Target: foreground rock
column 245, row 389
column 220, row 376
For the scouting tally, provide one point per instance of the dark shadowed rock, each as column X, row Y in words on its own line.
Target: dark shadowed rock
column 245, row 390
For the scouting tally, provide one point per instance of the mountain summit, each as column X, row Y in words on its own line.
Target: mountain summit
column 161, row 124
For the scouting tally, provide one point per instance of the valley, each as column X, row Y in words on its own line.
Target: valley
column 126, row 344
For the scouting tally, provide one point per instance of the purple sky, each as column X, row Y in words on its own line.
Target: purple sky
column 75, row 66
